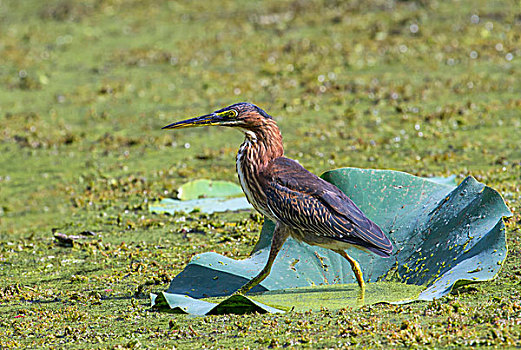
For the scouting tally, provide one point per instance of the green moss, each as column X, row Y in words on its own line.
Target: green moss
column 86, row 86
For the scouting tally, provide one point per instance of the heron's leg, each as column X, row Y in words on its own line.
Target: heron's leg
column 280, row 234
column 355, row 267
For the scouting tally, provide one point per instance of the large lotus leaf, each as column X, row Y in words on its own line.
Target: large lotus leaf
column 442, row 235
column 332, row 296
column 183, row 304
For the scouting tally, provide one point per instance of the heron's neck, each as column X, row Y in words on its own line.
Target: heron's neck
column 262, row 145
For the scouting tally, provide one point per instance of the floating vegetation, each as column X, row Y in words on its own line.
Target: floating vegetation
column 429, row 88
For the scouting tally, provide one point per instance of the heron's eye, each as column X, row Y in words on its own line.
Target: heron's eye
column 226, row 114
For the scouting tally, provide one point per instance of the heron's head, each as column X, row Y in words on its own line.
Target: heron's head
column 241, row 115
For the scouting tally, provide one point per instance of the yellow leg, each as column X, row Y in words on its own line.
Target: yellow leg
column 279, row 237
column 355, row 267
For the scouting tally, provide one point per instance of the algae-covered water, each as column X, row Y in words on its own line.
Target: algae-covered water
column 340, row 296
column 426, row 87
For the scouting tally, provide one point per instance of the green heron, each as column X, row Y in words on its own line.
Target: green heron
column 301, row 204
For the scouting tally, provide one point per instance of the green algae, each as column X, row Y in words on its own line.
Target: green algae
column 340, row 296
column 87, row 85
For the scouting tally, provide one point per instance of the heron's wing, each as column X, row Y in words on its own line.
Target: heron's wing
column 302, row 200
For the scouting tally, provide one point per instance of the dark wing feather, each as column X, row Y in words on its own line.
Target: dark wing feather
column 302, row 200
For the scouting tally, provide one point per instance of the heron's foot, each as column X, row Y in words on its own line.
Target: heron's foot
column 253, row 282
column 355, row 267
column 243, row 290
column 358, row 274
column 361, row 297
column 280, row 235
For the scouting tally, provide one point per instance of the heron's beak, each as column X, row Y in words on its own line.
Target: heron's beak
column 204, row 120
column 209, row 119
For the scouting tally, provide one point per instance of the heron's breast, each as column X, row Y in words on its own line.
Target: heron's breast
column 250, row 183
